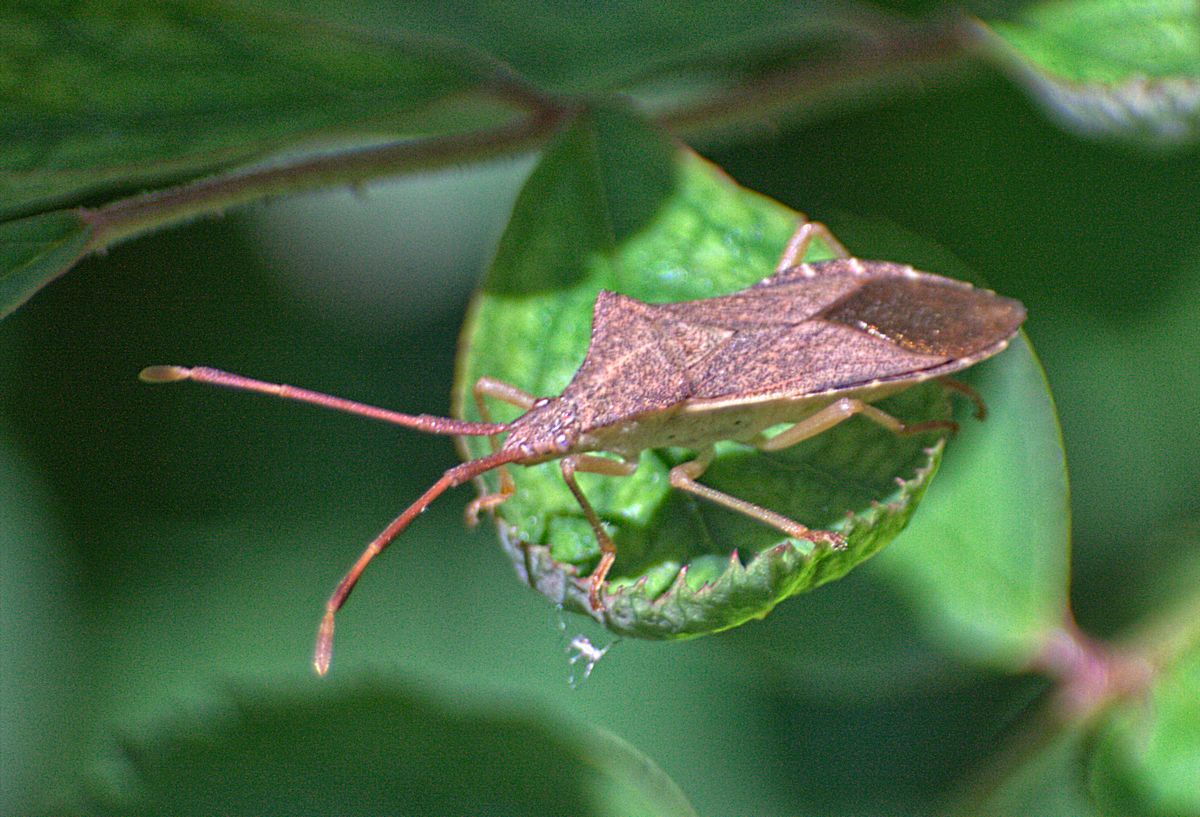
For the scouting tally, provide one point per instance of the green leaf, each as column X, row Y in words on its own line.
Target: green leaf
column 124, row 92
column 230, row 104
column 120, row 93
column 614, row 205
column 569, row 48
column 41, row 621
column 1126, row 68
column 986, row 561
column 1134, row 749
column 1046, row 780
column 1146, row 757
column 374, row 748
column 36, row 250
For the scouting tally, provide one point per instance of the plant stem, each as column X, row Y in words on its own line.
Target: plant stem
column 896, row 55
column 128, row 218
column 1091, row 674
column 906, row 48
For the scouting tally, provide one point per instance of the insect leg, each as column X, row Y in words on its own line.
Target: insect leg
column 684, row 476
column 499, row 390
column 608, row 551
column 967, row 392
column 464, row 472
column 843, row 409
column 793, row 253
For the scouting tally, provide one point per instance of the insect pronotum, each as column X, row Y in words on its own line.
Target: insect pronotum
column 809, row 346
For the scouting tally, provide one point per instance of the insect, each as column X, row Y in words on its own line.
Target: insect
column 809, row 346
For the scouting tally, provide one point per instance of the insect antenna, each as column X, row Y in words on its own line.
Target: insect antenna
column 323, row 652
column 429, row 423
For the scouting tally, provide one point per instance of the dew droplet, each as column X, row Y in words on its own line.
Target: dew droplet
column 581, row 649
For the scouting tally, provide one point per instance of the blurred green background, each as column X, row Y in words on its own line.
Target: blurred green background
column 165, row 550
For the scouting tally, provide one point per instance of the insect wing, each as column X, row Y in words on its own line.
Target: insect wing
column 842, row 325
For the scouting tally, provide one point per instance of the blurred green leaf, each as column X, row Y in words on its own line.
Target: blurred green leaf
column 570, row 48
column 375, row 748
column 1146, row 757
column 1136, row 377
column 36, row 250
column 123, row 92
column 41, row 618
column 1128, row 68
column 614, row 205
column 1045, row 779
column 1140, row 756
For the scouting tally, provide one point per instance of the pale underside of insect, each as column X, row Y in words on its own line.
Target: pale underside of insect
column 809, row 346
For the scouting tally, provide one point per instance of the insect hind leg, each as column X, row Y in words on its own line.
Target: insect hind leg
column 684, row 476
column 797, row 245
column 507, row 393
column 843, row 409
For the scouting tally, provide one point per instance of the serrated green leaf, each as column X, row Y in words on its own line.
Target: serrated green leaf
column 124, row 92
column 1146, row 757
column 1126, row 68
column 377, row 749
column 36, row 250
column 614, row 205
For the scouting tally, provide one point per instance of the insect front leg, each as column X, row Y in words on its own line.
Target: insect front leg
column 608, row 551
column 793, row 253
column 498, row 390
column 684, row 476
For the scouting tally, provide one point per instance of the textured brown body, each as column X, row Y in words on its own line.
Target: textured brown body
column 693, row 373
column 810, row 346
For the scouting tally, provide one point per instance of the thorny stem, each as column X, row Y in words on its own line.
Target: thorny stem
column 902, row 52
column 133, row 216
column 901, row 49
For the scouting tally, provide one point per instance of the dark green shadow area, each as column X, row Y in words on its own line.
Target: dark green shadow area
column 605, row 178
column 377, row 748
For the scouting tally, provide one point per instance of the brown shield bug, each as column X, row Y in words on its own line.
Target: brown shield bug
column 809, row 346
